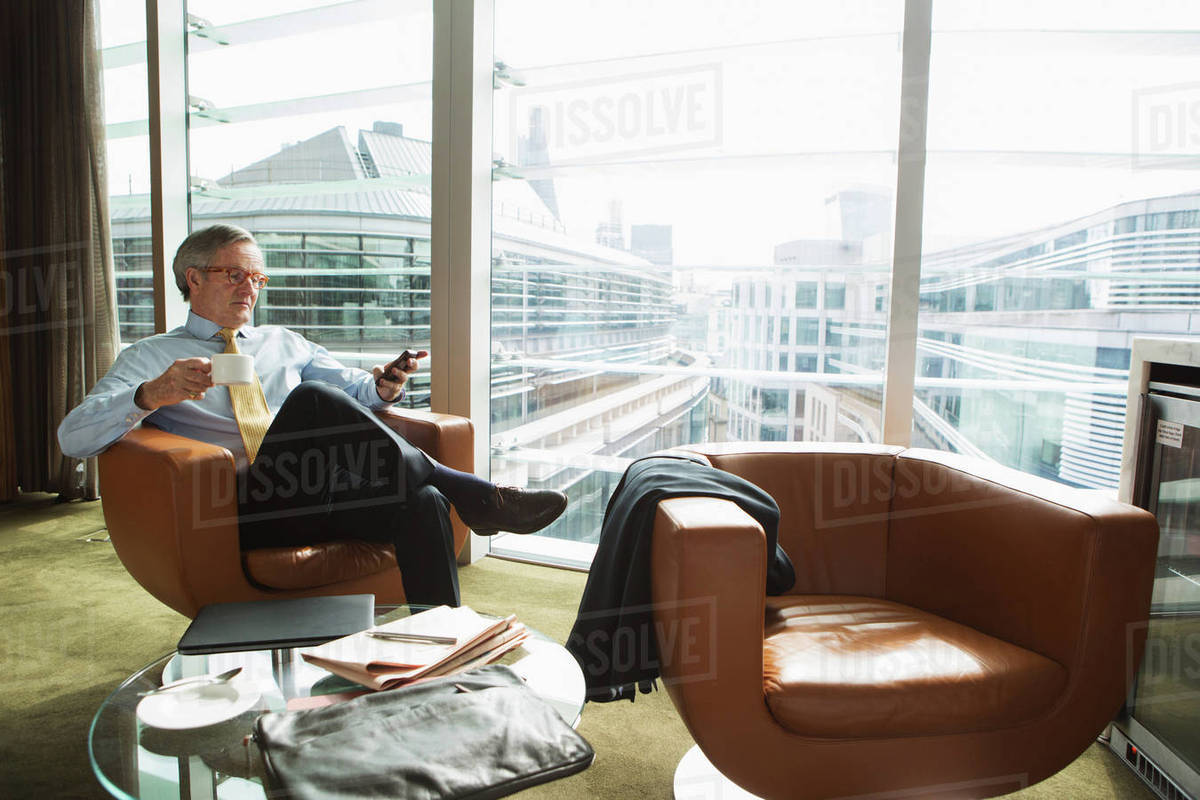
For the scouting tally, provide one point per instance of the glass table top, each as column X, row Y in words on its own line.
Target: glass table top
column 218, row 759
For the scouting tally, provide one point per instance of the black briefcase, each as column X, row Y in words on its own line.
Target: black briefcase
column 474, row 736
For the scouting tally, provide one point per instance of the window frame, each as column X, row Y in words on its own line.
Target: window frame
column 463, row 62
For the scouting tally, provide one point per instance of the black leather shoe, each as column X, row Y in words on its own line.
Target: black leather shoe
column 515, row 510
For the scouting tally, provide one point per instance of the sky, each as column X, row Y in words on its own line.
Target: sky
column 734, row 122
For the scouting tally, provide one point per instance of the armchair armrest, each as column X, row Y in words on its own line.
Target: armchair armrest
column 171, row 501
column 709, row 582
column 447, row 438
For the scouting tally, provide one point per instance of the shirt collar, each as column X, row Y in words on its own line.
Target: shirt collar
column 203, row 328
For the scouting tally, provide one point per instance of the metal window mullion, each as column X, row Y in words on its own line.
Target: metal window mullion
column 166, row 62
column 905, row 295
column 460, row 235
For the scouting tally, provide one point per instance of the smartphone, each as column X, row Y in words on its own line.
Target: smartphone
column 396, row 363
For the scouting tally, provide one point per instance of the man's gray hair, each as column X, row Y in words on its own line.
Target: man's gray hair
column 199, row 248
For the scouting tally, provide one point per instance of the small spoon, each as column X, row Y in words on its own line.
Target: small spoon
column 203, row 680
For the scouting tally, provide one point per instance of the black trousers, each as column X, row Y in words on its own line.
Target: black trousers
column 330, row 469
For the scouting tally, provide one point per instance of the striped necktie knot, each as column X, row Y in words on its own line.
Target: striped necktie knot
column 230, row 337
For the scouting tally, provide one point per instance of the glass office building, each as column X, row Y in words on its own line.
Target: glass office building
column 1003, row 324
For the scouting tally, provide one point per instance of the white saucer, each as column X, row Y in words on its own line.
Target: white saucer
column 198, row 706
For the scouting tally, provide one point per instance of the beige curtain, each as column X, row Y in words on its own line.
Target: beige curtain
column 59, row 292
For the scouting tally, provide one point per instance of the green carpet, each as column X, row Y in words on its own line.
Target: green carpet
column 75, row 625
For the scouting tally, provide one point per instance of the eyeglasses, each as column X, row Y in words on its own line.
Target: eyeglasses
column 236, row 275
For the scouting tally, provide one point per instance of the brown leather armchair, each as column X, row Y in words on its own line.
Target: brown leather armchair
column 170, row 504
column 957, row 628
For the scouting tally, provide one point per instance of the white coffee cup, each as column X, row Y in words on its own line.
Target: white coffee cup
column 232, row 368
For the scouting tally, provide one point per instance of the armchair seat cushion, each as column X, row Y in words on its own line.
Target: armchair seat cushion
column 839, row 666
column 319, row 564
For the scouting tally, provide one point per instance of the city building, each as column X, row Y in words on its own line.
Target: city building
column 653, row 243
column 1060, row 303
column 1002, row 324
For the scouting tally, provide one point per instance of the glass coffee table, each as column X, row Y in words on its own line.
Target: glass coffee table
column 211, row 754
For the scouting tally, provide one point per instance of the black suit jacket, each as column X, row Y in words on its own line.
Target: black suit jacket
column 613, row 637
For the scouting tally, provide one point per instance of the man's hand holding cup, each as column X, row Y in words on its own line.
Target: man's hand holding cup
column 186, row 379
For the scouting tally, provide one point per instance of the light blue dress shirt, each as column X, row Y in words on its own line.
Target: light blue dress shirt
column 282, row 360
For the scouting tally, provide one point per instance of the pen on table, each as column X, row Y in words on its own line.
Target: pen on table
column 422, row 638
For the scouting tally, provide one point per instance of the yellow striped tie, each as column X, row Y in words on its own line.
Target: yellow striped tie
column 249, row 404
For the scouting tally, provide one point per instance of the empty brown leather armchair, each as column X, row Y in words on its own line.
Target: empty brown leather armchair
column 956, row 629
column 170, row 504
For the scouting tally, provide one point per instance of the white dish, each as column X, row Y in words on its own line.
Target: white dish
column 197, row 706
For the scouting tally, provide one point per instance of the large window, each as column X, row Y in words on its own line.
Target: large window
column 1060, row 221
column 123, row 54
column 676, row 191
column 692, row 214
column 309, row 123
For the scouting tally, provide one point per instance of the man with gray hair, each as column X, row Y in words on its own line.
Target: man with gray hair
column 308, row 449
